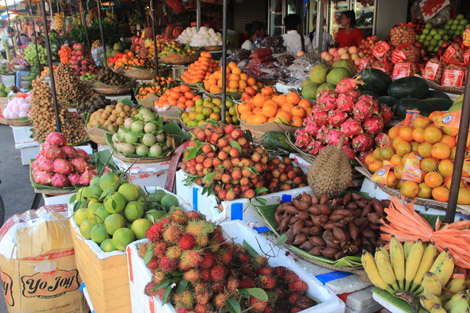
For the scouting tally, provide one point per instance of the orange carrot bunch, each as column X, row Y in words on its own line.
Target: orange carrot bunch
column 65, row 54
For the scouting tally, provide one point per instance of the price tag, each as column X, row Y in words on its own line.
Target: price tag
column 412, row 170
column 362, row 65
column 381, row 176
column 466, row 58
column 450, row 51
column 398, row 56
column 430, row 71
column 453, row 78
column 401, row 70
column 466, row 37
column 380, row 49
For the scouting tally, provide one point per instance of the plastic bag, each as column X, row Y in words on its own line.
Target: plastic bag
column 98, row 55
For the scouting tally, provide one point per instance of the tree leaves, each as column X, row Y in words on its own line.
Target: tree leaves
column 236, row 145
column 281, row 240
column 233, row 306
column 182, row 285
column 149, row 253
column 257, row 293
column 260, row 190
column 209, row 178
column 250, row 249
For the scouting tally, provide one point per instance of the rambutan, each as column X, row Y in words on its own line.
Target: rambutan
column 267, row 282
column 220, row 300
column 269, row 309
column 192, row 275
column 191, row 258
column 186, row 241
column 225, row 257
column 247, row 270
column 295, row 310
column 218, row 234
column 179, row 216
column 142, row 249
column 293, row 298
column 202, row 241
column 200, row 287
column 161, row 293
column 217, row 287
column 184, row 299
column 203, row 297
column 153, row 264
column 174, row 252
column 193, row 215
column 272, row 297
column 264, row 271
column 155, row 231
column 258, row 305
column 289, row 276
column 199, row 227
column 261, row 260
column 167, row 265
column 160, row 248
column 205, row 275
column 172, row 233
column 279, row 271
column 305, row 302
column 244, row 258
column 182, row 310
column 247, row 283
column 207, row 260
column 201, row 308
column 232, row 284
column 217, row 272
column 298, row 286
column 149, row 289
column 158, row 277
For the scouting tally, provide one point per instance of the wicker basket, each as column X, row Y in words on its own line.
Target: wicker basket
column 18, row 123
column 113, row 90
column 213, row 48
column 177, row 59
column 3, row 104
column 137, row 73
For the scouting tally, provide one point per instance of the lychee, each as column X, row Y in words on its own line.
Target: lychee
column 256, row 157
column 250, row 193
column 243, row 142
column 207, row 163
column 200, row 158
column 174, row 252
column 167, row 265
column 191, row 258
column 186, row 241
column 206, row 148
column 222, row 155
column 192, row 275
column 217, row 272
column 172, row 233
column 234, row 153
column 229, row 128
column 184, row 299
column 230, row 195
column 226, row 178
column 235, row 162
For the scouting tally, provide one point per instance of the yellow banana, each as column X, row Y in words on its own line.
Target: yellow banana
column 460, row 306
column 455, row 298
column 426, row 262
column 444, row 253
column 382, row 260
column 407, row 247
column 397, row 259
column 428, row 301
column 412, row 262
column 438, row 309
column 453, row 286
column 445, row 269
column 431, row 284
column 372, row 272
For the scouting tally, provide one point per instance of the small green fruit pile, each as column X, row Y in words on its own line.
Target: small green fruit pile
column 432, row 38
column 210, row 110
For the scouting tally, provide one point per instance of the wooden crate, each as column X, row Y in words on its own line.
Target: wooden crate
column 106, row 279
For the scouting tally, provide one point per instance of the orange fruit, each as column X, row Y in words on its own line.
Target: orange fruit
column 404, row 158
column 298, row 112
column 450, row 131
column 258, row 100
column 398, row 170
column 393, row 132
column 396, row 159
column 296, row 121
column 432, row 134
column 259, row 119
column 269, row 108
column 399, row 184
column 429, row 165
column 424, row 149
column 418, row 134
column 440, row 151
column 280, row 99
column 251, row 81
column 375, row 166
column 392, row 180
column 283, row 116
column 424, row 191
column 435, row 114
column 405, row 133
column 421, row 122
column 441, row 194
column 449, row 141
column 386, row 152
column 433, row 179
column 396, row 141
column 305, row 103
column 449, row 182
column 466, row 169
column 452, row 153
column 464, row 196
column 377, row 154
column 446, row 167
column 288, row 107
column 369, row 158
column 293, row 98
column 244, row 107
column 414, row 146
column 267, row 91
column 409, row 189
column 403, row 148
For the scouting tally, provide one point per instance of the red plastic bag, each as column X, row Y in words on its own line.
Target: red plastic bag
column 176, row 5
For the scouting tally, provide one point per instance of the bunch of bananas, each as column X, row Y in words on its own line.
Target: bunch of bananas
column 59, row 20
column 415, row 273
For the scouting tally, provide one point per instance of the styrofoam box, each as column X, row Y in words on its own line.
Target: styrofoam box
column 23, row 137
column 28, row 153
column 63, row 199
column 145, row 174
column 140, row 275
column 240, row 209
column 361, row 301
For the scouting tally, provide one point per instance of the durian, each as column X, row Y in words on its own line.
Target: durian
column 330, row 173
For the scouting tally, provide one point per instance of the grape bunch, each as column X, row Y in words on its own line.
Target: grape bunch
column 30, row 55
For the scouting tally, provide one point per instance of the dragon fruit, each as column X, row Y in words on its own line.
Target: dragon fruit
column 69, row 151
column 336, row 117
column 386, row 114
column 52, row 152
column 82, row 154
column 87, row 176
column 312, row 129
column 363, row 142
column 80, row 165
column 345, row 103
column 349, row 152
column 374, row 125
column 378, row 139
column 314, row 147
column 351, row 127
column 74, row 179
column 353, row 94
column 319, row 116
column 363, row 110
column 308, row 120
column 328, row 102
column 63, row 166
column 346, row 85
column 333, row 136
column 46, row 166
column 325, row 93
column 322, row 132
column 43, row 178
column 60, row 181
column 56, row 139
column 302, row 138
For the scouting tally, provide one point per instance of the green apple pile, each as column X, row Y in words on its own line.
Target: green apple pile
column 114, row 213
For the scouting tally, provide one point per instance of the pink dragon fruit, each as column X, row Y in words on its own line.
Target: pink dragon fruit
column 322, row 132
column 349, row 152
column 74, row 179
column 325, row 93
column 56, row 139
column 308, row 120
column 328, row 102
column 302, row 138
column 351, row 127
column 314, row 147
column 87, row 176
column 312, row 129
column 386, row 114
column 363, row 109
column 362, row 155
column 374, row 125
column 363, row 142
column 43, row 178
column 63, row 166
column 346, row 85
column 82, row 154
column 336, row 117
column 353, row 94
column 60, row 181
column 345, row 103
column 52, row 152
column 80, row 165
column 46, row 166
column 320, row 116
column 69, row 151
column 378, row 139
column 333, row 136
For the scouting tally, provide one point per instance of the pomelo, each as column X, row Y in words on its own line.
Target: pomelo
column 129, row 192
column 115, row 203
column 94, row 192
column 139, row 227
column 347, row 64
column 158, row 195
column 79, row 216
column 109, row 179
column 309, row 91
column 122, row 237
column 168, row 201
column 107, row 246
column 325, row 86
column 114, row 222
column 318, row 73
column 86, row 226
column 101, row 214
column 98, row 233
column 337, row 74
column 133, row 211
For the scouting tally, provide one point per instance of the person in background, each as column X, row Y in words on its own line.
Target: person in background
column 327, row 39
column 22, row 39
column 293, row 41
column 253, row 30
column 349, row 35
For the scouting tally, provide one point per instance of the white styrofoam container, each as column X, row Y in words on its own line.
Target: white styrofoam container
column 51, row 200
column 23, row 137
column 140, row 275
column 149, row 179
column 240, row 209
column 145, row 174
column 29, row 153
column 361, row 301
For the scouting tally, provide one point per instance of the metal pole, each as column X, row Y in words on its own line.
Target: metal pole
column 98, row 4
column 51, row 70
column 9, row 27
column 154, row 37
column 224, row 61
column 459, row 154
column 35, row 37
column 84, row 24
column 198, row 14
column 16, row 24
column 319, row 28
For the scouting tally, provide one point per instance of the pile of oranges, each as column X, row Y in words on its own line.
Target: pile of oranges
column 236, row 80
column 201, row 69
column 156, row 87
column 434, row 147
column 268, row 106
column 180, row 96
column 120, row 59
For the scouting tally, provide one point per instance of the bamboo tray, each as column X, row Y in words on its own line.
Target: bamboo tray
column 177, row 59
column 138, row 73
column 113, row 90
column 18, row 122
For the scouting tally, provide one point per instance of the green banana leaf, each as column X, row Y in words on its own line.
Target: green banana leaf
column 397, row 302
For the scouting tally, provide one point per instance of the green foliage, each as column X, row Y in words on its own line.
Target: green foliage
column 111, row 33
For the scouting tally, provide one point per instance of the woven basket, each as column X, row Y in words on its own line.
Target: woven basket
column 18, row 123
column 177, row 59
column 113, row 90
column 137, row 73
column 3, row 104
column 148, row 101
column 210, row 48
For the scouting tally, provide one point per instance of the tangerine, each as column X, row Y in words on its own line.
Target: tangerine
column 450, row 131
column 377, row 154
column 293, row 98
column 403, row 148
column 387, row 152
column 446, row 167
column 464, row 196
column 396, row 159
column 287, row 107
column 432, row 134
column 258, row 100
column 418, row 135
column 405, row 133
column 296, row 121
column 369, row 158
column 283, row 116
column 267, row 91
column 429, row 165
column 452, row 153
column 441, row 194
column 449, row 141
column 409, row 189
column 421, row 122
column 375, row 166
column 440, row 151
column 269, row 108
column 424, row 149
column 398, row 170
column 393, row 132
column 433, row 179
column 258, row 119
column 424, row 191
column 414, row 146
column 298, row 111
column 392, row 180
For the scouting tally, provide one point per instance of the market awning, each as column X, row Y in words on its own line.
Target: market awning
column 9, row 3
